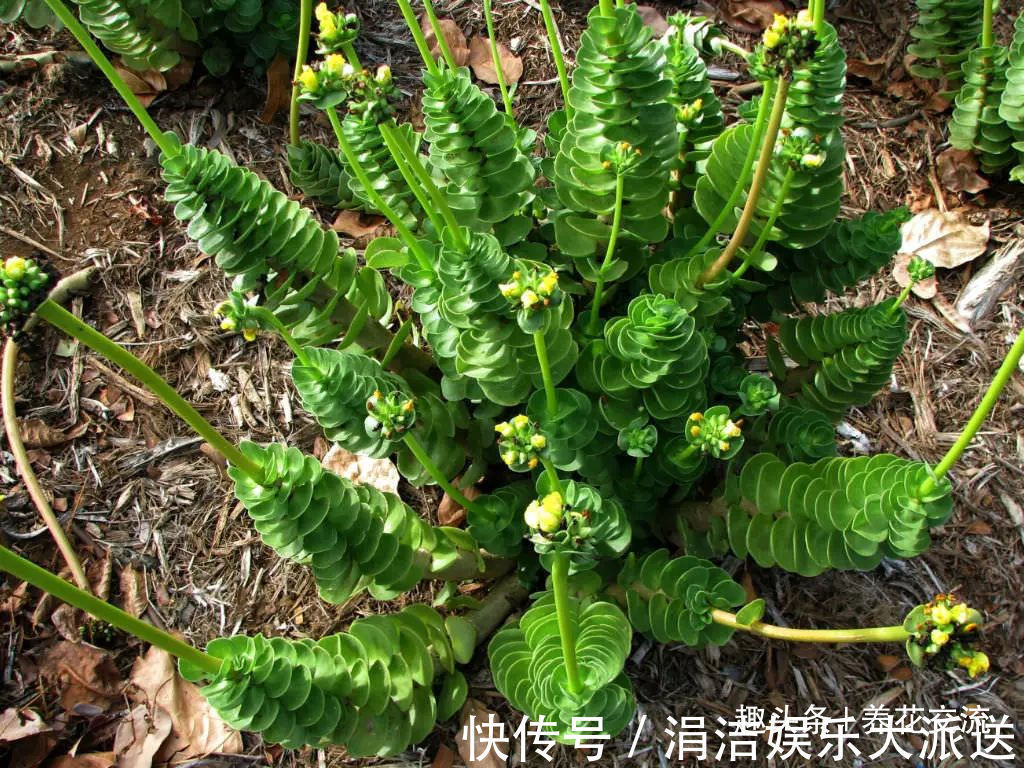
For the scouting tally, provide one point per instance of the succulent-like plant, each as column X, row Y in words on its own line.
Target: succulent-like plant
column 584, row 355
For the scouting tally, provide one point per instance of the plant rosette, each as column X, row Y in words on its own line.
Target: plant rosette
column 391, row 414
column 943, row 632
column 520, row 443
column 23, row 287
column 714, row 432
column 758, row 394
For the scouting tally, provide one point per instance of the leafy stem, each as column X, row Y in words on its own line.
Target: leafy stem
column 388, row 133
column 442, row 41
column 378, row 202
column 417, row 35
column 741, row 182
column 773, row 216
column 594, row 324
column 41, row 578
column 63, row 320
column 416, row 447
column 301, row 53
column 1000, row 381
column 638, row 468
column 818, row 15
column 550, row 397
column 560, row 588
column 988, row 24
column 350, row 55
column 552, row 471
column 166, row 144
column 556, row 53
column 272, row 320
column 499, row 73
column 764, row 164
column 607, row 8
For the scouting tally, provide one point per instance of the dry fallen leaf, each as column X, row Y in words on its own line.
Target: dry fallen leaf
column 981, row 295
column 382, row 474
column 36, row 433
column 947, row 240
column 134, row 597
column 752, row 15
column 356, row 224
column 147, row 85
column 958, row 171
column 196, row 730
column 84, row 675
column 180, row 73
column 978, row 528
column 887, row 662
column 926, row 289
column 652, row 18
column 140, row 736
column 867, row 69
column 91, row 760
column 483, row 64
column 450, row 512
column 279, row 88
column 18, row 724
column 901, row 673
column 470, row 745
column 452, row 34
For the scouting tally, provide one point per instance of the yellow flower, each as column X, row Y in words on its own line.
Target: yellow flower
column 941, row 614
column 695, row 430
column 509, row 457
column 532, row 462
column 771, row 38
column 308, row 79
column 723, row 446
column 249, row 334
column 696, row 416
column 978, row 664
column 322, row 12
column 960, row 613
column 15, row 267
column 732, row 429
column 510, row 290
column 546, row 514
column 549, row 283
column 520, row 421
column 939, row 637
column 530, row 299
column 383, row 74
column 538, row 441
column 228, row 324
column 335, row 65
column 504, row 429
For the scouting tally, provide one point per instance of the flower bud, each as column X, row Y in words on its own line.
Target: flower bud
column 15, row 267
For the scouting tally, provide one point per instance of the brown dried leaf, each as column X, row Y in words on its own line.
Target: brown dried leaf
column 751, row 15
column 83, row 674
column 147, row 85
column 887, row 662
column 450, row 512
column 140, row 736
column 279, row 88
column 979, row 528
column 482, row 63
column 453, row 36
column 382, row 474
column 36, row 433
column 947, row 239
column 652, row 18
column 901, row 673
column 180, row 73
column 469, row 745
column 356, row 224
column 196, row 730
column 31, row 751
column 13, row 602
column 91, row 760
column 958, row 171
column 134, row 597
column 926, row 289
column 17, row 724
column 867, row 69
column 444, row 758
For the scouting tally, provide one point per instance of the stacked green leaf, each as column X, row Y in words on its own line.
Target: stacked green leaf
column 654, row 354
column 364, row 136
column 851, row 354
column 699, row 116
column 496, row 519
column 801, row 434
column 474, row 150
column 945, row 33
column 1011, row 107
column 619, row 94
column 570, row 430
column 320, row 173
column 147, row 35
column 352, row 536
column 670, row 599
column 250, row 33
column 370, row 689
column 35, row 13
column 844, row 513
column 976, row 124
column 528, row 666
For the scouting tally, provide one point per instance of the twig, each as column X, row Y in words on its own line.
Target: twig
column 28, row 240
column 75, row 282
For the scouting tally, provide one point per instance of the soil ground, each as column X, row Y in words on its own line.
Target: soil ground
column 77, row 178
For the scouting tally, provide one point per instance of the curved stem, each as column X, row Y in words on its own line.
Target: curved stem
column 541, row 345
column 301, row 52
column 409, row 175
column 818, row 15
column 442, row 41
column 417, row 449
column 1000, row 381
column 741, row 183
column 63, row 320
column 607, row 8
column 351, row 56
column 552, row 471
column 498, row 71
column 638, row 468
column 560, row 588
column 555, row 42
column 378, row 202
column 28, row 475
column 904, row 295
column 281, row 329
column 417, row 35
column 396, row 343
column 780, row 201
column 28, row 571
column 764, row 164
column 893, row 634
column 595, row 310
column 166, row 145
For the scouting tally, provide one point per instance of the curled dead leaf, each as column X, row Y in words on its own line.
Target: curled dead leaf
column 36, row 433
column 356, row 224
column 867, row 69
column 946, row 239
column 382, row 474
column 147, row 85
column 482, row 63
column 279, row 88
column 453, row 36
column 140, row 736
column 751, row 15
column 134, row 597
column 958, row 171
column 83, row 674
column 450, row 512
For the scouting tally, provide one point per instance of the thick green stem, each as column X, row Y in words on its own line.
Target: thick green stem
column 892, row 634
column 396, row 343
column 607, row 8
column 63, row 320
column 818, row 15
column 638, row 468
column 415, row 164
column 41, row 578
column 550, row 397
column 594, row 324
column 357, row 169
column 387, row 132
column 741, row 183
column 167, row 145
column 773, row 216
column 987, row 24
column 556, row 53
column 281, row 329
column 499, row 603
column 417, row 449
column 764, row 164
column 301, row 52
column 417, row 35
column 552, row 471
column 904, row 295
column 442, row 41
column 560, row 588
column 496, row 59
column 351, row 56
column 1000, row 381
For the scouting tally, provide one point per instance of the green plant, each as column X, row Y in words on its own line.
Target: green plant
column 945, row 33
column 584, row 336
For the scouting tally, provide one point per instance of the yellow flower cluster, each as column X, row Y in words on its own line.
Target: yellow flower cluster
column 545, row 514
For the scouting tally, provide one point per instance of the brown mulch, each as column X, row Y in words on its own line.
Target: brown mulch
column 77, row 177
